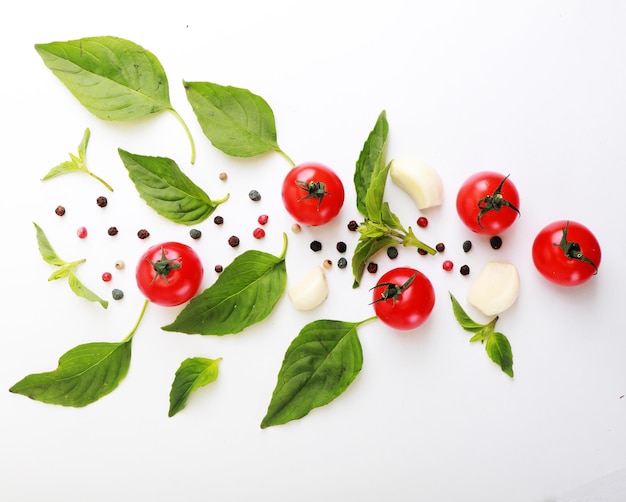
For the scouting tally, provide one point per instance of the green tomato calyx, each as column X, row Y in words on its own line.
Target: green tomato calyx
column 314, row 190
column 163, row 267
column 572, row 249
column 392, row 291
column 494, row 202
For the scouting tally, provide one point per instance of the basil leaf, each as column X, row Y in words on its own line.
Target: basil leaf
column 370, row 159
column 115, row 79
column 192, row 374
column 376, row 191
column 236, row 121
column 83, row 291
column 499, row 350
column 389, row 218
column 45, row 248
column 84, row 374
column 244, row 294
column 463, row 319
column 167, row 190
column 319, row 365
column 365, row 249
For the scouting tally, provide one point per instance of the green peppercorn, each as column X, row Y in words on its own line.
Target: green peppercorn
column 194, row 233
column 117, row 294
column 342, row 262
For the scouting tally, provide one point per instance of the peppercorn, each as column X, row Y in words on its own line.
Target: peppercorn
column 342, row 263
column 107, row 276
column 327, row 264
column 117, row 294
column 218, row 220
column 223, row 176
column 467, row 245
column 295, row 228
column 112, row 231
column 316, row 246
column 81, row 232
column 496, row 242
column 372, row 267
column 341, row 247
column 143, row 234
column 233, row 241
column 447, row 265
column 254, row 195
column 392, row 252
column 465, row 270
column 60, row 210
column 422, row 221
column 263, row 219
column 119, row 265
column 219, row 269
column 102, row 201
column 353, row 225
column 421, row 251
column 440, row 247
column 258, row 233
column 194, row 233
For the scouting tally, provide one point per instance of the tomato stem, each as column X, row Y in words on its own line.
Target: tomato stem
column 392, row 290
column 572, row 249
column 494, row 202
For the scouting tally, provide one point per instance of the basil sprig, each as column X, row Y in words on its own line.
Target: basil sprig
column 76, row 163
column 319, row 365
column 236, row 121
column 84, row 374
column 113, row 78
column 65, row 269
column 381, row 227
column 167, row 190
column 244, row 294
column 192, row 374
column 496, row 344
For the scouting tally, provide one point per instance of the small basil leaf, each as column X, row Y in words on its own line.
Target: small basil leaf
column 376, row 192
column 192, row 374
column 482, row 335
column 370, row 159
column 366, row 248
column 81, row 290
column 45, row 248
column 499, row 350
column 463, row 319
column 167, row 190
column 244, row 294
column 319, row 365
column 84, row 374
column 236, row 121
column 389, row 218
column 115, row 79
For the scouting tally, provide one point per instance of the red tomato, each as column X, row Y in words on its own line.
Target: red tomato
column 566, row 253
column 403, row 298
column 169, row 274
column 312, row 193
column 488, row 203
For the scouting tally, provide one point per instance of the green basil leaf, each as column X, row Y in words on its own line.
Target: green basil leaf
column 167, row 190
column 366, row 248
column 370, row 160
column 192, row 374
column 115, row 79
column 390, row 219
column 376, row 191
column 319, row 365
column 62, row 272
column 236, row 121
column 84, row 374
column 83, row 291
column 499, row 350
column 463, row 319
column 482, row 335
column 244, row 294
column 45, row 248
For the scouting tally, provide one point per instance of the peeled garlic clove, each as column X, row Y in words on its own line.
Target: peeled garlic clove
column 495, row 289
column 310, row 291
column 419, row 180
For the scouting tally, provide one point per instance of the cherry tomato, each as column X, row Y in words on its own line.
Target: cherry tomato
column 403, row 298
column 312, row 193
column 488, row 202
column 169, row 274
column 566, row 253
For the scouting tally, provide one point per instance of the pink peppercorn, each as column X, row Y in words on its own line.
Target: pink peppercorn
column 258, row 233
column 422, row 221
column 263, row 219
column 447, row 265
column 106, row 276
column 81, row 232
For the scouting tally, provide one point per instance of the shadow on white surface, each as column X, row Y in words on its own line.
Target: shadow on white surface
column 609, row 488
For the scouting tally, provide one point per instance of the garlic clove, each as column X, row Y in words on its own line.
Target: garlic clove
column 419, row 180
column 310, row 291
column 495, row 289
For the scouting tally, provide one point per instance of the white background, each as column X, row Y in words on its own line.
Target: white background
column 534, row 89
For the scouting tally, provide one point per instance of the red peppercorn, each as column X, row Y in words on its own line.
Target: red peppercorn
column 81, row 232
column 263, row 219
column 422, row 221
column 106, row 277
column 258, row 233
column 447, row 265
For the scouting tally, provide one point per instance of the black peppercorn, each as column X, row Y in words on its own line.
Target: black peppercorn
column 353, row 225
column 316, row 246
column 254, row 195
column 233, row 241
column 341, row 247
column 194, row 233
column 143, row 234
column 464, row 270
column 440, row 247
column 102, row 201
column 342, row 263
column 467, row 245
column 392, row 252
column 496, row 242
column 219, row 269
column 60, row 210
column 372, row 267
column 218, row 220
column 421, row 251
column 113, row 231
